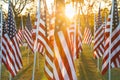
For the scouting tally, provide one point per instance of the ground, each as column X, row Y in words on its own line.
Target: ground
column 86, row 67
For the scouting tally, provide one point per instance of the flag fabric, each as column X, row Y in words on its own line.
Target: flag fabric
column 20, row 36
column 87, row 36
column 10, row 49
column 71, row 35
column 75, row 39
column 42, row 38
column 27, row 33
column 99, row 42
column 99, row 37
column 64, row 68
column 63, row 59
column 112, row 44
column 78, row 42
column 39, row 47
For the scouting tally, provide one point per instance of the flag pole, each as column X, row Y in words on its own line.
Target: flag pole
column 10, row 76
column 1, row 41
column 28, row 55
column 109, row 72
column 98, row 63
column 38, row 21
column 94, row 37
column 22, row 22
column 75, row 24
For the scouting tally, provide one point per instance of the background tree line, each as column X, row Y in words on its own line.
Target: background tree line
column 85, row 19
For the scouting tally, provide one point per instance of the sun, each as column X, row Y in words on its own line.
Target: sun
column 69, row 11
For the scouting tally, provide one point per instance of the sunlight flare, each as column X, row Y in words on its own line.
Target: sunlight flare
column 69, row 11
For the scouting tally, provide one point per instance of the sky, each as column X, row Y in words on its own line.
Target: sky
column 5, row 7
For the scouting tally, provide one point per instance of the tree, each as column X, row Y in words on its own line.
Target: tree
column 17, row 7
column 87, row 12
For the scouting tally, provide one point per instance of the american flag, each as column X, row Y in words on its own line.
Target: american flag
column 28, row 34
column 42, row 38
column 20, row 36
column 75, row 39
column 64, row 68
column 71, row 35
column 10, row 48
column 38, row 47
column 112, row 44
column 63, row 59
column 87, row 36
column 99, row 37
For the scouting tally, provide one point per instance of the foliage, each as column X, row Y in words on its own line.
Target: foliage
column 17, row 7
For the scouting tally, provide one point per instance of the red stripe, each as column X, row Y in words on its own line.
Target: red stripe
column 62, row 54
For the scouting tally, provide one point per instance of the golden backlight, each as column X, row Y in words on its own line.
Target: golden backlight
column 69, row 11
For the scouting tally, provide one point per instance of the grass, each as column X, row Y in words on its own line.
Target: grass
column 86, row 67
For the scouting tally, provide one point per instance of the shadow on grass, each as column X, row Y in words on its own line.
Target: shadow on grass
column 22, row 72
column 87, row 67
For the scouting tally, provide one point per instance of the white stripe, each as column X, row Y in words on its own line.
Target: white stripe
column 99, row 35
column 28, row 39
column 108, row 23
column 41, row 48
column 116, row 50
column 26, row 30
column 18, row 54
column 51, row 32
column 49, row 61
column 115, row 41
column 46, row 45
column 41, row 30
column 61, row 65
column 3, row 57
column 42, row 22
column 100, row 40
column 48, row 72
column 99, row 52
column 102, row 48
column 116, row 30
column 34, row 30
column 99, row 29
column 11, row 65
column 96, row 54
column 6, row 59
column 55, row 73
column 105, row 64
column 67, row 53
column 12, row 56
column 112, row 65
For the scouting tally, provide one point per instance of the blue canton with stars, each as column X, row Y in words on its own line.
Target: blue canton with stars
column 115, row 16
column 11, row 24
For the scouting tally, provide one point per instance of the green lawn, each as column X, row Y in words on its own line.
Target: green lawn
column 86, row 68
